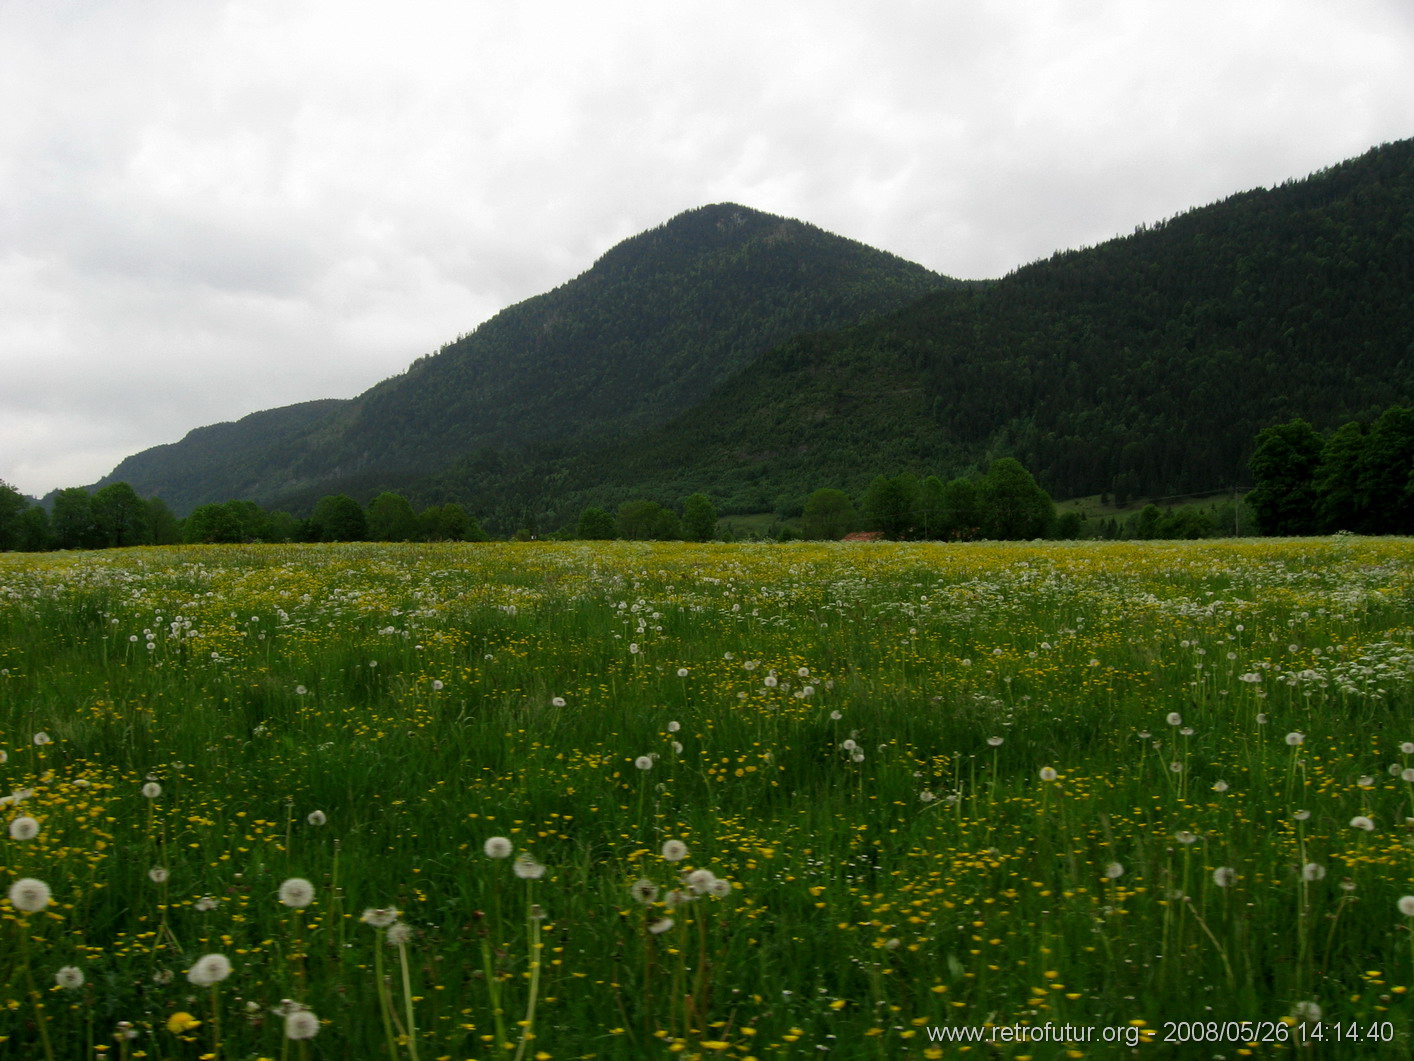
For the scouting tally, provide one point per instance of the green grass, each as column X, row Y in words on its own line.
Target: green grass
column 818, row 723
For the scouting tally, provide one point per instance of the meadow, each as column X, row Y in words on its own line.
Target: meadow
column 627, row 800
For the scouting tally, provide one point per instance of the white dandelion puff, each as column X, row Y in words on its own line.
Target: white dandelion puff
column 1224, row 876
column 152, row 790
column 29, row 895
column 317, row 817
column 69, row 977
column 1048, row 773
column 1296, row 738
column 660, row 926
column 210, row 969
column 380, row 917
column 526, row 868
column 497, row 847
column 1363, row 823
column 301, row 1024
column 674, row 850
column 297, row 893
column 1406, row 905
column 24, row 828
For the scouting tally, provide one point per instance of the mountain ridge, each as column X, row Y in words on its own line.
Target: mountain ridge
column 651, row 327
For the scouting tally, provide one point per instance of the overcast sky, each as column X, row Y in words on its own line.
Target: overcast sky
column 212, row 208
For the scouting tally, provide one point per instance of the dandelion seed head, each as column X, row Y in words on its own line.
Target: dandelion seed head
column 1174, row 719
column 1406, row 905
column 399, row 933
column 1362, row 823
column 1295, row 738
column 1309, row 1012
column 1048, row 773
column 152, row 790
column 380, row 917
column 497, row 847
column 526, row 868
column 29, row 895
column 643, row 891
column 995, row 742
column 1224, row 876
column 1313, row 871
column 643, row 762
column 700, row 880
column 660, row 926
column 1114, row 871
column 674, row 850
column 317, row 817
column 24, row 828
column 69, row 977
column 158, row 874
column 41, row 738
column 297, row 893
column 210, row 969
column 301, row 1024
column 673, row 727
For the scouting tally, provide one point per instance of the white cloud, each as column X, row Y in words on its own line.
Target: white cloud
column 206, row 209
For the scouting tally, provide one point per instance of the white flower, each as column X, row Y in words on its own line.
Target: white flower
column 380, row 917
column 1183, row 836
column 1174, row 718
column 770, row 681
column 158, row 874
column 297, row 893
column 317, row 817
column 660, row 926
column 674, row 850
column 42, row 738
column 1362, row 822
column 211, row 969
column 1313, row 871
column 720, row 888
column 1406, row 905
column 557, row 701
column 152, row 790
column 673, row 727
column 700, row 880
column 1219, row 786
column 1114, row 871
column 301, row 1024
column 398, row 934
column 1407, row 748
column 24, row 828
column 1407, row 774
column 848, row 745
column 497, row 847
column 1048, row 773
column 69, row 977
column 1224, row 876
column 526, row 868
column 682, row 672
column 995, row 742
column 1301, row 815
column 643, row 762
column 1295, row 738
column 644, row 891
column 29, row 895
column 437, row 685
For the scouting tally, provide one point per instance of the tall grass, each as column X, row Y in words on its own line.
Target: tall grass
column 849, row 740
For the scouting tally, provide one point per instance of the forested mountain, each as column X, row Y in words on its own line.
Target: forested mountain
column 757, row 359
column 649, row 330
column 236, row 454
column 1143, row 366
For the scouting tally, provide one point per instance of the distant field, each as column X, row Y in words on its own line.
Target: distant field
column 1118, row 787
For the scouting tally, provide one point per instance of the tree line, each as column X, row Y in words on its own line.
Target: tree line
column 115, row 516
column 1358, row 477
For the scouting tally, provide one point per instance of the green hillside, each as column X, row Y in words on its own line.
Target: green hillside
column 1144, row 366
column 649, row 330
